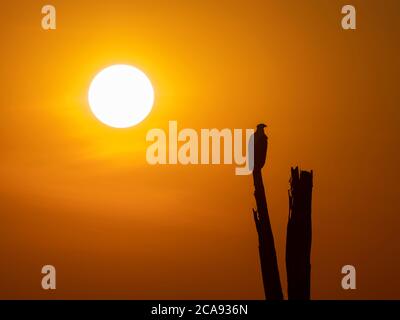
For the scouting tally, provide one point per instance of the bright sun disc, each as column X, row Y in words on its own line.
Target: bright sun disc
column 121, row 96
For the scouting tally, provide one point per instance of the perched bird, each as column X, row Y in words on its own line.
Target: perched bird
column 260, row 147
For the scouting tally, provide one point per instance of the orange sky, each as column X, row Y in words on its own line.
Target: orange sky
column 80, row 195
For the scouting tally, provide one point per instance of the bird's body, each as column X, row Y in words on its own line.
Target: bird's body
column 260, row 147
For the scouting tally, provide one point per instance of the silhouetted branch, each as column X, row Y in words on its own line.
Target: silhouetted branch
column 268, row 260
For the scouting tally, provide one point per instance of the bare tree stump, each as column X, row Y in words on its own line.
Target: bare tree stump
column 298, row 237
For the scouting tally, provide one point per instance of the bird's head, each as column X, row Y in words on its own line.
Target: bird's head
column 261, row 126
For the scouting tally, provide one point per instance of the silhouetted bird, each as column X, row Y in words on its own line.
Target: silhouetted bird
column 260, row 147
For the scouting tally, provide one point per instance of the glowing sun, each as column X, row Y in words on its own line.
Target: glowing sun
column 121, row 96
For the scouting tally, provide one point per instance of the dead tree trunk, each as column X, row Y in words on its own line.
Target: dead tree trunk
column 298, row 237
column 268, row 260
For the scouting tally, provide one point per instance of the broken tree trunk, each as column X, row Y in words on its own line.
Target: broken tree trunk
column 298, row 237
column 268, row 260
